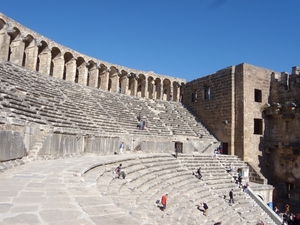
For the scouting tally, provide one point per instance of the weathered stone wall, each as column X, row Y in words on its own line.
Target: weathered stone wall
column 215, row 112
column 103, row 145
column 61, row 145
column 230, row 111
column 12, row 145
column 259, row 79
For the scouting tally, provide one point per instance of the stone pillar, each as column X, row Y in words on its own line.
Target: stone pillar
column 83, row 71
column 114, row 82
column 32, row 55
column 58, row 69
column 17, row 48
column 71, row 70
column 5, row 41
column 45, row 62
column 93, row 78
column 154, row 94
column 146, row 94
column 135, row 82
column 178, row 92
column 124, row 83
column 161, row 91
column 104, row 80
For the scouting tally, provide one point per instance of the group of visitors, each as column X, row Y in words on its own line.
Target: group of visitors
column 142, row 123
column 288, row 218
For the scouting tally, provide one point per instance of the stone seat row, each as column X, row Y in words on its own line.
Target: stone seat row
column 68, row 99
column 147, row 180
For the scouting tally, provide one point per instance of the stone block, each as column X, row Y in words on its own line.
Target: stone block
column 12, row 145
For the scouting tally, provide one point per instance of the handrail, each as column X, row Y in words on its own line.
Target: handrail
column 277, row 219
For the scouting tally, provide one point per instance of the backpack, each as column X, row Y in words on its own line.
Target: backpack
column 205, row 206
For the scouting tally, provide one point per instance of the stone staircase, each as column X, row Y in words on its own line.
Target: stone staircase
column 151, row 176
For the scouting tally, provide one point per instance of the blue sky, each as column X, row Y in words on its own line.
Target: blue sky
column 187, row 39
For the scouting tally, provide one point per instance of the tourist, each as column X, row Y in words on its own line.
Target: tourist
column 297, row 219
column 245, row 187
column 276, row 210
column 176, row 152
column 199, row 175
column 291, row 219
column 121, row 147
column 284, row 219
column 216, row 153
column 231, row 196
column 287, row 208
column 230, row 169
column 220, row 150
column 118, row 170
column 164, row 199
column 218, row 223
column 141, row 124
column 205, row 207
column 240, row 179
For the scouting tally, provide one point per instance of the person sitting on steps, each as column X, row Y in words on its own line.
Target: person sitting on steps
column 118, row 170
column 198, row 173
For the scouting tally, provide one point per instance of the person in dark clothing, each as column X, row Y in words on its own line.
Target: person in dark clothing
column 199, row 175
column 231, row 196
column 118, row 170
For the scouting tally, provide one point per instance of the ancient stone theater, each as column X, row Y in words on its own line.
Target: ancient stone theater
column 68, row 120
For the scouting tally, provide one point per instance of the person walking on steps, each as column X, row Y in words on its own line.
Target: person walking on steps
column 205, row 207
column 231, row 196
column 164, row 199
column 199, row 175
column 121, row 147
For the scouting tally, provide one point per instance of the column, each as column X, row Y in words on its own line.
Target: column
column 82, row 69
column 93, row 78
column 58, row 69
column 125, row 83
column 32, row 54
column 45, row 61
column 154, row 94
column 177, row 92
column 5, row 41
column 146, row 94
column 114, row 82
column 17, row 48
column 71, row 70
column 135, row 85
column 104, row 79
column 161, row 90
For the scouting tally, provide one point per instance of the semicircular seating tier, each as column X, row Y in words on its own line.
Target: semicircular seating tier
column 150, row 176
column 30, row 97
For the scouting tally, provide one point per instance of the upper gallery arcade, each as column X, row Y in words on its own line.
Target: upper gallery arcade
column 27, row 48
